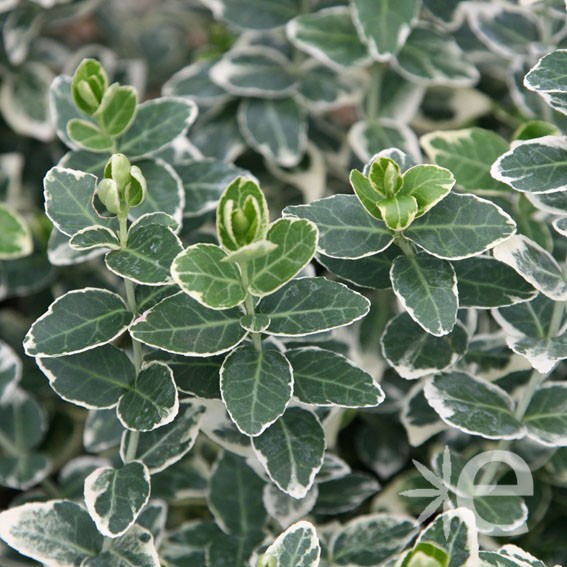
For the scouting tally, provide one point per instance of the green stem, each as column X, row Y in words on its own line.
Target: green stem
column 374, row 91
column 51, row 488
column 249, row 306
column 404, row 245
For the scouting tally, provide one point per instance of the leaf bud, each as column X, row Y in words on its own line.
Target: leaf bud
column 109, row 195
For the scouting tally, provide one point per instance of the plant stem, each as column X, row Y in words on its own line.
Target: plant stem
column 249, row 306
column 404, row 246
column 374, row 91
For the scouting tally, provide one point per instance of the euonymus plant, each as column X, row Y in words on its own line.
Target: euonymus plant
column 276, row 316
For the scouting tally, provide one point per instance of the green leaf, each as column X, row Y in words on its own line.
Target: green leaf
column 188, row 543
column 291, row 451
column 200, row 272
column 547, row 78
column 102, row 431
column 77, row 321
column 295, row 241
column 254, row 71
column 384, row 27
column 329, row 36
column 235, row 496
column 10, row 371
column 345, row 228
column 56, row 533
column 232, row 550
column 325, row 378
column 536, row 265
column 414, row 352
column 93, row 237
column 473, row 405
column 117, row 109
column 153, row 400
column 148, row 255
column 312, row 305
column 285, row 508
column 256, row 387
column 69, row 200
column 62, row 107
column 277, row 129
column 468, row 154
column 427, row 288
column 159, row 449
column 15, row 238
column 419, row 419
column 92, row 379
column 115, row 497
column 256, row 323
column 398, row 212
column 89, row 85
column 531, row 318
column 89, row 136
column 179, row 324
column 345, row 493
column 546, row 417
column 536, row 166
column 461, row 226
column 427, row 184
column 298, row 546
column 542, row 353
column 158, row 122
column 484, row 282
column 244, row 14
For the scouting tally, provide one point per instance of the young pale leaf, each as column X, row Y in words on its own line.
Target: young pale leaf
column 235, row 496
column 547, row 79
column 461, row 226
column 115, row 497
column 152, row 401
column 427, row 184
column 93, row 379
column 312, row 305
column 414, row 353
column 384, row 28
column 201, row 272
column 325, row 378
column 284, row 507
column 254, row 71
column 398, row 212
column 546, row 417
column 291, row 451
column 117, row 109
column 89, row 85
column 15, row 238
column 244, row 14
column 536, row 166
column 181, row 325
column 484, row 282
column 474, row 406
column 256, row 387
column 542, row 353
column 371, row 539
column 158, row 449
column 345, row 493
column 534, row 264
column 427, row 287
column 346, row 230
column 277, row 129
column 10, row 371
column 57, row 533
column 298, row 546
column 78, row 321
column 468, row 154
column 330, row 37
column 295, row 242
column 93, row 237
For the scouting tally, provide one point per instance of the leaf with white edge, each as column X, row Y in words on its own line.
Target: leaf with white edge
column 385, row 26
column 461, row 226
column 345, row 493
column 427, row 184
column 414, row 352
column 277, row 129
column 158, row 449
column 298, row 546
column 534, row 264
column 235, row 496
column 117, row 109
column 158, row 122
column 542, row 353
column 69, row 197
column 546, row 417
column 346, row 230
column 312, row 305
column 102, row 431
column 398, row 212
column 535, row 166
column 93, row 237
column 78, row 321
column 484, row 282
column 296, row 242
column 420, row 420
column 427, row 287
column 547, row 78
column 10, row 371
column 329, row 36
column 560, row 225
column 468, row 154
column 136, row 547
column 519, row 557
column 181, row 325
column 201, row 273
column 325, row 378
column 474, row 406
column 94, row 379
column 254, row 71
column 15, row 238
column 256, row 323
column 159, row 218
column 57, row 533
column 89, row 136
column 59, row 253
column 256, row 387
column 371, row 539
column 245, row 14
column 25, row 470
column 500, row 514
column 188, row 543
column 291, row 451
column 286, row 509
column 115, row 497
column 152, row 401
column 62, row 108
